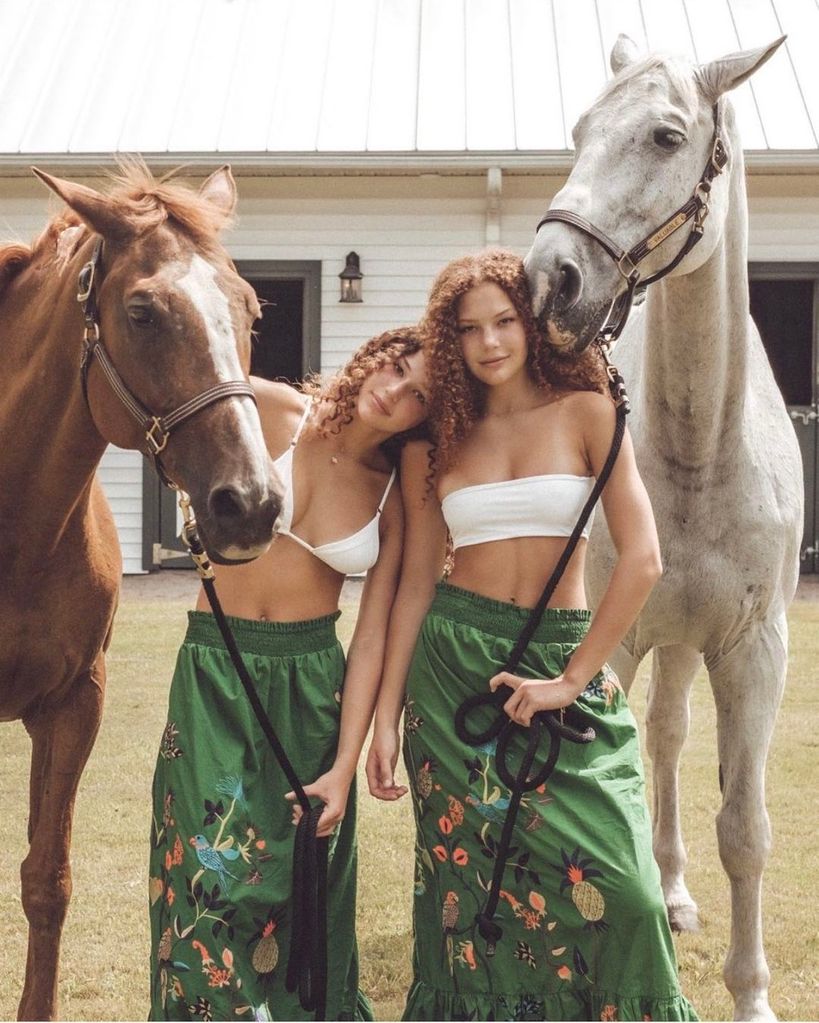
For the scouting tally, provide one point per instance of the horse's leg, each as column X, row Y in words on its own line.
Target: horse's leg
column 39, row 765
column 62, row 738
column 747, row 685
column 667, row 719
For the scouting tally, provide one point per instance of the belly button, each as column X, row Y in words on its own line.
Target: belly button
column 262, row 618
column 512, row 600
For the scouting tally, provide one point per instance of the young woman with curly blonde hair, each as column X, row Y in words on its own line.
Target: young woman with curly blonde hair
column 222, row 841
column 550, row 907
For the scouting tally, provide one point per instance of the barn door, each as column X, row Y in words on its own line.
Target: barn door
column 785, row 306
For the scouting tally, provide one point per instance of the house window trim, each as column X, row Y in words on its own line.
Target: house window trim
column 309, row 271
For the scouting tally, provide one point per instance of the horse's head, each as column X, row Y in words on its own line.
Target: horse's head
column 640, row 152
column 175, row 319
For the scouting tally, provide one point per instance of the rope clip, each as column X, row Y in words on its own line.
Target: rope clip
column 190, row 538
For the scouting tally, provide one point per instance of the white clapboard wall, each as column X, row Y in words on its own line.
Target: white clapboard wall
column 120, row 473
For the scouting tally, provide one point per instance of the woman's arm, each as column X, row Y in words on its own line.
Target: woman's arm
column 365, row 660
column 638, row 567
column 422, row 566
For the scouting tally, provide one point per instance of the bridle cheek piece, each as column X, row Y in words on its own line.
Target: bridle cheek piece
column 157, row 429
column 695, row 208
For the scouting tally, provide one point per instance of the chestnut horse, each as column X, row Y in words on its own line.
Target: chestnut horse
column 175, row 320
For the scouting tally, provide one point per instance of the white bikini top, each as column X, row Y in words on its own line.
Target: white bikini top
column 351, row 555
column 532, row 506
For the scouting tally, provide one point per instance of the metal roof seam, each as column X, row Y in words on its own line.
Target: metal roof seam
column 814, row 127
column 323, row 89
column 690, row 30
column 194, row 35
column 372, row 74
column 751, row 84
column 566, row 129
column 418, row 72
column 231, row 78
column 512, row 76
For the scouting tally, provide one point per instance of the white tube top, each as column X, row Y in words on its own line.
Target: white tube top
column 351, row 555
column 532, row 506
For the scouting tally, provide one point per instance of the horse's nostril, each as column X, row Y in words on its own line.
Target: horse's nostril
column 570, row 285
column 227, row 503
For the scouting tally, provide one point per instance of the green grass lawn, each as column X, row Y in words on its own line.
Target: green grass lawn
column 105, row 946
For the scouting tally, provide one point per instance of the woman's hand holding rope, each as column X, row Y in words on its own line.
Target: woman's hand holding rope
column 332, row 788
column 535, row 694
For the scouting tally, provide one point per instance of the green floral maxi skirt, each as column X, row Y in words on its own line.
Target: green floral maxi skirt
column 222, row 837
column 585, row 933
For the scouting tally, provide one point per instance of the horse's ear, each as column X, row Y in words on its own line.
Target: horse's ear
column 94, row 208
column 623, row 53
column 728, row 72
column 220, row 190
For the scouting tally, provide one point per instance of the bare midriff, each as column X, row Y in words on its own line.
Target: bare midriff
column 286, row 584
column 517, row 570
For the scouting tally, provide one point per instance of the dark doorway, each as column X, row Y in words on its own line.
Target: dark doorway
column 277, row 347
column 288, row 336
column 783, row 312
column 785, row 308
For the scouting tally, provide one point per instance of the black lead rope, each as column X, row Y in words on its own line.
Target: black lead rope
column 556, row 727
column 307, row 961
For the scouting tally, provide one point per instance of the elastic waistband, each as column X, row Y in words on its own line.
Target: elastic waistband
column 274, row 639
column 499, row 618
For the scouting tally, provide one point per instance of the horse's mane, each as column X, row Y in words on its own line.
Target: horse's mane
column 15, row 257
column 142, row 200
column 678, row 73
column 148, row 201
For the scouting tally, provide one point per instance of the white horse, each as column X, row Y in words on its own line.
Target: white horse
column 715, row 447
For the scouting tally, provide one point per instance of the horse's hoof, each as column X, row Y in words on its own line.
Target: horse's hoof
column 754, row 1010
column 684, row 919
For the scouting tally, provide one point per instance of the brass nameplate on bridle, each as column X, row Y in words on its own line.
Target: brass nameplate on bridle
column 665, row 231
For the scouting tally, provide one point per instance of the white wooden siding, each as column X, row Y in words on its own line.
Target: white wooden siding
column 120, row 473
column 404, row 229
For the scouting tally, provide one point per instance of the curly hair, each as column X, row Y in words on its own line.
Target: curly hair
column 339, row 393
column 457, row 399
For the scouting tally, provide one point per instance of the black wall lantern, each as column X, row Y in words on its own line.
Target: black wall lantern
column 351, row 277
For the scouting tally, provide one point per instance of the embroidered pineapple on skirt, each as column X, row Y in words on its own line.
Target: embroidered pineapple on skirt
column 585, row 933
column 222, row 837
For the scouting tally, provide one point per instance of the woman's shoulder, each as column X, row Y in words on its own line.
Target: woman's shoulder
column 277, row 396
column 590, row 407
column 280, row 408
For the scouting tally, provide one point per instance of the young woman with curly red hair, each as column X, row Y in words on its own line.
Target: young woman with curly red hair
column 553, row 911
column 222, row 841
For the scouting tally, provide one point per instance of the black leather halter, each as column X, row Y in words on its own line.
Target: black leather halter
column 627, row 262
column 157, row 428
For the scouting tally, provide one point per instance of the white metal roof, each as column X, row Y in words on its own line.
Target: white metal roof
column 368, row 82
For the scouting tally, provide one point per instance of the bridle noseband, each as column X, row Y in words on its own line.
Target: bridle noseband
column 157, row 429
column 627, row 262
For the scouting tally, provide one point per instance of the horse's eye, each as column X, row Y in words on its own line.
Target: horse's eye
column 667, row 138
column 142, row 315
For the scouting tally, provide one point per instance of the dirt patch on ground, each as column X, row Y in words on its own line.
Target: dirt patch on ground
column 808, row 588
